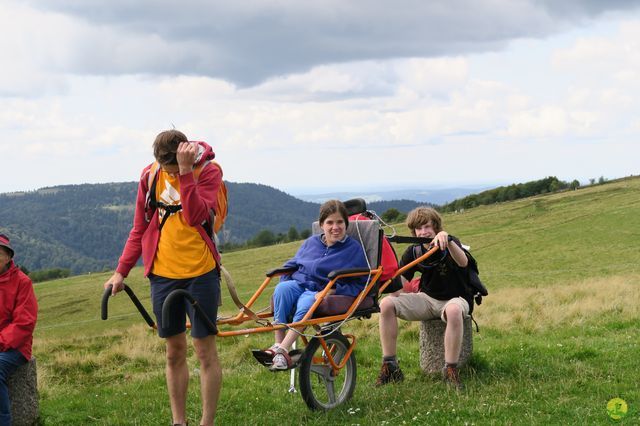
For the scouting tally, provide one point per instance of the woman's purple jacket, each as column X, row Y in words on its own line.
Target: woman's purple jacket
column 314, row 260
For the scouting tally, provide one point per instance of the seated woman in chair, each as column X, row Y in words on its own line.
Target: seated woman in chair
column 316, row 258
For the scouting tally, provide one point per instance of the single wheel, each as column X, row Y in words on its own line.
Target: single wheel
column 320, row 386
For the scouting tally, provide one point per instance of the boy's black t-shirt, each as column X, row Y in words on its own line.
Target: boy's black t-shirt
column 442, row 281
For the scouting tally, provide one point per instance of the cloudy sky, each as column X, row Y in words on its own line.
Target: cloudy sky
column 324, row 95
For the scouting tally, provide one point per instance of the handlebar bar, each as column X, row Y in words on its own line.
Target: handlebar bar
column 134, row 299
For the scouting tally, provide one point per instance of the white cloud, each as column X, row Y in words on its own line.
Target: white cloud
column 595, row 57
column 542, row 106
column 30, row 50
column 545, row 122
column 432, row 77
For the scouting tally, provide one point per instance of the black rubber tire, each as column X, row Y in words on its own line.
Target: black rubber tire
column 320, row 389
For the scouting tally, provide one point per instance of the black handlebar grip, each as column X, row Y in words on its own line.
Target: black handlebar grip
column 176, row 296
column 105, row 301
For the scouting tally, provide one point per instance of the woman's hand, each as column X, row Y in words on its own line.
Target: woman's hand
column 186, row 156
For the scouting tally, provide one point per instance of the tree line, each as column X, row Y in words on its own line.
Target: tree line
column 509, row 193
column 45, row 274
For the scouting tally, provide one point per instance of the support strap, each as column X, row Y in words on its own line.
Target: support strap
column 234, row 296
column 476, row 323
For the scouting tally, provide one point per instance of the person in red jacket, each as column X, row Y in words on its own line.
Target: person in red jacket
column 178, row 253
column 18, row 314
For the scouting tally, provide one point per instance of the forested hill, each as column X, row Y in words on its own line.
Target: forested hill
column 83, row 227
column 76, row 227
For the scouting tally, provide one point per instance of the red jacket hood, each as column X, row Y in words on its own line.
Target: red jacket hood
column 205, row 153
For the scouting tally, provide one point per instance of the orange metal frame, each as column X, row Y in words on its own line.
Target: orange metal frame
column 307, row 320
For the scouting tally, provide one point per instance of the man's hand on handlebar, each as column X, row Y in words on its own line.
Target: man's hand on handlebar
column 117, row 281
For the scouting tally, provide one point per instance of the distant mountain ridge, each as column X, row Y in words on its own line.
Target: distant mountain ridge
column 435, row 196
column 84, row 227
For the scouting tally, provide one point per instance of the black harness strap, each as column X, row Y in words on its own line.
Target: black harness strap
column 169, row 209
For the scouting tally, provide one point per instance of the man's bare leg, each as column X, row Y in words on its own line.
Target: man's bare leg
column 177, row 376
column 210, row 377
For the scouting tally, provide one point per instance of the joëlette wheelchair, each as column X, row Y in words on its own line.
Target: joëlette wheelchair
column 327, row 364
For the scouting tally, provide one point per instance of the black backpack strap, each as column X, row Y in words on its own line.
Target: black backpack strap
column 417, row 251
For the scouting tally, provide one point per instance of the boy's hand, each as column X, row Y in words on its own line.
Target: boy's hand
column 186, row 156
column 441, row 240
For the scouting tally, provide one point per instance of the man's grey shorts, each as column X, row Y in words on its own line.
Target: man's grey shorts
column 421, row 307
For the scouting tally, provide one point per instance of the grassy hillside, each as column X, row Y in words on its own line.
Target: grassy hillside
column 559, row 332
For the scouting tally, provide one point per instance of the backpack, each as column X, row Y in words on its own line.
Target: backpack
column 217, row 215
column 474, row 288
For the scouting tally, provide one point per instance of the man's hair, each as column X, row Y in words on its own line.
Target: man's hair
column 330, row 207
column 421, row 216
column 166, row 145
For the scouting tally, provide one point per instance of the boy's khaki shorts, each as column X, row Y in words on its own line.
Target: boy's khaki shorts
column 421, row 307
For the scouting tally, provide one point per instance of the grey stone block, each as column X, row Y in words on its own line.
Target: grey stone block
column 432, row 345
column 23, row 392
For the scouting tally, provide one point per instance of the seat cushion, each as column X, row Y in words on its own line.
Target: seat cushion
column 339, row 304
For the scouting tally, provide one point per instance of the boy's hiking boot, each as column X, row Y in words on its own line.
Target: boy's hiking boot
column 389, row 373
column 451, row 376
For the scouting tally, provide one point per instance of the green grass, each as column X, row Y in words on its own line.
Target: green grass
column 559, row 333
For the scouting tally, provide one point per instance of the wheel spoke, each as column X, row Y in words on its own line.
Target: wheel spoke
column 331, row 392
column 323, row 371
